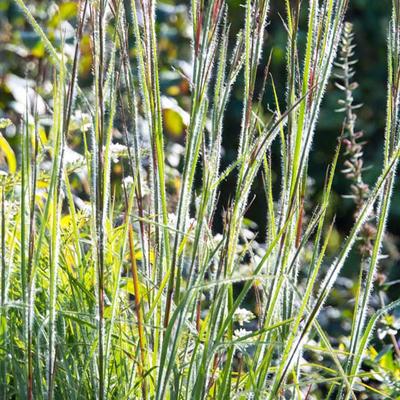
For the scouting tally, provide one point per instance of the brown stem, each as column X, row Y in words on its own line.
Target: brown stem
column 138, row 309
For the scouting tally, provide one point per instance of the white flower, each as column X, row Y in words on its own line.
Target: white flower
column 72, row 157
column 172, row 219
column 128, row 181
column 248, row 234
column 240, row 333
column 217, row 238
column 86, row 123
column 173, row 160
column 117, row 150
column 175, row 154
column 81, row 121
column 242, row 315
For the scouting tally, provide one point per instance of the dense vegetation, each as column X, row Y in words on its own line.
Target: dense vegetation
column 134, row 143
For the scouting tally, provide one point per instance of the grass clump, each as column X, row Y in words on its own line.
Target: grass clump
column 131, row 292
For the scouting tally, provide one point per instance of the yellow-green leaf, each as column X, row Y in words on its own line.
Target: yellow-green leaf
column 9, row 153
column 173, row 122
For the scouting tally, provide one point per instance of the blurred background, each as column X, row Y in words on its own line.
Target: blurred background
column 23, row 61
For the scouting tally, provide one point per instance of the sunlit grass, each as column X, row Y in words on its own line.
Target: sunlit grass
column 117, row 298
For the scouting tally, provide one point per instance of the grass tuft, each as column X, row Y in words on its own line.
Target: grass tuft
column 130, row 292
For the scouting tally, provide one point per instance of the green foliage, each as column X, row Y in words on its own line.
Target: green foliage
column 115, row 282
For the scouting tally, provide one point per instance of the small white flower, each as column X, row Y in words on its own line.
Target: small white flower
column 117, row 150
column 242, row 315
column 175, row 154
column 172, row 219
column 72, row 157
column 128, row 181
column 80, row 121
column 248, row 234
column 173, row 160
column 217, row 238
column 86, row 123
column 240, row 333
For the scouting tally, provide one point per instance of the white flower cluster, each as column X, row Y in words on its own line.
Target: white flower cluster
column 242, row 315
column 118, row 150
column 238, row 334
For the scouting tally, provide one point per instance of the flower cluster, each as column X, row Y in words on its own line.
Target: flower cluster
column 352, row 139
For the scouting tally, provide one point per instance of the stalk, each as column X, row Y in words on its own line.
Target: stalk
column 98, row 178
column 359, row 338
column 139, row 312
column 56, row 201
column 3, row 293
